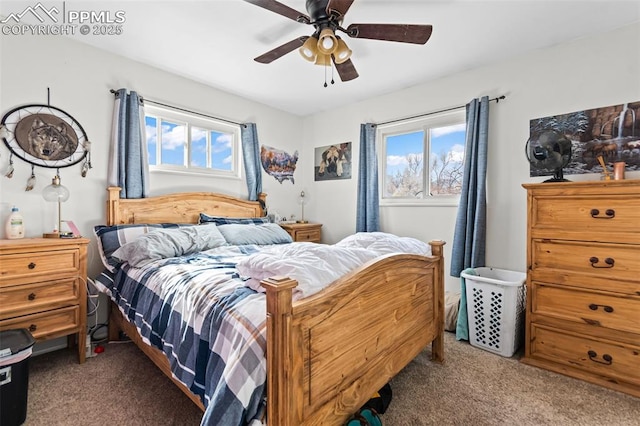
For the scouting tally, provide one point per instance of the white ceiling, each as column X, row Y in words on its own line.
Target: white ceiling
column 214, row 42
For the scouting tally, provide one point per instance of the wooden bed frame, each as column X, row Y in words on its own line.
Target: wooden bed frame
column 329, row 353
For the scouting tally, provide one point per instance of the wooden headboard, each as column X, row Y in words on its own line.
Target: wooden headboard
column 183, row 207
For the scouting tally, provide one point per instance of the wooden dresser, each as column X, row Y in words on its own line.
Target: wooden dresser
column 583, row 281
column 303, row 231
column 43, row 288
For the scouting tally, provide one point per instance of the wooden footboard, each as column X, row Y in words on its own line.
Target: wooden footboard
column 328, row 354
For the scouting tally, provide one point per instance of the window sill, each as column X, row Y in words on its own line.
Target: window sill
column 194, row 173
column 420, row 203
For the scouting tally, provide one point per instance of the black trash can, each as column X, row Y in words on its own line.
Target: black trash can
column 15, row 350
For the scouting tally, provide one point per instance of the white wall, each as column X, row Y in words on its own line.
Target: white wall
column 79, row 77
column 587, row 73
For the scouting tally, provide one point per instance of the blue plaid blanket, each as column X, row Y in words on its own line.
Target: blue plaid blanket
column 212, row 328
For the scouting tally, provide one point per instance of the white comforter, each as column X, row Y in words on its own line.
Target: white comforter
column 315, row 266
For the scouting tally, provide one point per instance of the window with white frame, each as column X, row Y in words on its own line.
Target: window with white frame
column 423, row 160
column 185, row 142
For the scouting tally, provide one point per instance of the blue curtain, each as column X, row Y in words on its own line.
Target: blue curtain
column 469, row 238
column 128, row 157
column 251, row 155
column 368, row 213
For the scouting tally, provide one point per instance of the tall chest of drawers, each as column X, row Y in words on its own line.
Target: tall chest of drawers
column 43, row 288
column 583, row 281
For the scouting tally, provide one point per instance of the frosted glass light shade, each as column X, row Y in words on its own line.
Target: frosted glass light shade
column 309, row 49
column 342, row 52
column 323, row 59
column 56, row 192
column 327, row 41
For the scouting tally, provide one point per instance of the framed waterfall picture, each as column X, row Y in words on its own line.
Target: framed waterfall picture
column 604, row 135
column 333, row 162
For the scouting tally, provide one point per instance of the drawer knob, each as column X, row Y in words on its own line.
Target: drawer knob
column 31, row 265
column 609, row 214
column 33, row 327
column 606, row 358
column 609, row 262
column 595, row 307
column 32, row 296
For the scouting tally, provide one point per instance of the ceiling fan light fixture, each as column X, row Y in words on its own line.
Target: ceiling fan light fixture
column 342, row 52
column 327, row 41
column 309, row 49
column 323, row 59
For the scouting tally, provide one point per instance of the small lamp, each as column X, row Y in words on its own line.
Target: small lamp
column 56, row 192
column 302, row 201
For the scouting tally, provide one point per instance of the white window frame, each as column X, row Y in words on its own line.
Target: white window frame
column 412, row 126
column 199, row 122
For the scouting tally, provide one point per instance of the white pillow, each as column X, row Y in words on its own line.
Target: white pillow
column 165, row 243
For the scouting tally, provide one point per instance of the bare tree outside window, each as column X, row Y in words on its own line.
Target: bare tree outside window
column 411, row 174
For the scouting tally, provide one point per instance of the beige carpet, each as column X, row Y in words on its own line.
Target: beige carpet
column 472, row 387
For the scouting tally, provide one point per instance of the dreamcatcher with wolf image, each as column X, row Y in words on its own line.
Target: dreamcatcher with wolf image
column 44, row 136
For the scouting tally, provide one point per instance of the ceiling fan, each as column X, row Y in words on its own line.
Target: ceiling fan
column 324, row 47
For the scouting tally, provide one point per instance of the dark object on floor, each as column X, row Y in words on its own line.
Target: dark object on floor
column 381, row 400
column 15, row 350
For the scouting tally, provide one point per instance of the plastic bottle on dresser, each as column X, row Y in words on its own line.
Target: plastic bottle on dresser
column 15, row 225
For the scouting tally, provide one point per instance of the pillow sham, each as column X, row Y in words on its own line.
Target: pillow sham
column 165, row 243
column 264, row 234
column 111, row 238
column 222, row 220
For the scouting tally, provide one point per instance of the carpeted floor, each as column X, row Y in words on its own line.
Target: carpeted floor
column 473, row 387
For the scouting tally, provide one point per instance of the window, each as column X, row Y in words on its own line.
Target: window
column 184, row 142
column 423, row 160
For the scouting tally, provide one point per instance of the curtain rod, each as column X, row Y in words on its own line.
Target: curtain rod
column 496, row 99
column 183, row 109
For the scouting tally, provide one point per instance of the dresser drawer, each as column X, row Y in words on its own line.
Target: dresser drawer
column 312, row 235
column 608, row 359
column 597, row 212
column 17, row 267
column 587, row 264
column 32, row 298
column 49, row 324
column 596, row 309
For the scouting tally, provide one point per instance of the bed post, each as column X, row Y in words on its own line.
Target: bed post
column 437, row 346
column 280, row 404
column 113, row 210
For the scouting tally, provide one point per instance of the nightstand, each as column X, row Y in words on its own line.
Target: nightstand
column 303, row 231
column 43, row 288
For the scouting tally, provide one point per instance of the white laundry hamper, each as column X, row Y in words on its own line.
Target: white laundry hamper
column 495, row 309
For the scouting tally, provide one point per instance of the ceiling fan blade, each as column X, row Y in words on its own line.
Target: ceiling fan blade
column 280, row 51
column 281, row 9
column 346, row 70
column 404, row 33
column 338, row 7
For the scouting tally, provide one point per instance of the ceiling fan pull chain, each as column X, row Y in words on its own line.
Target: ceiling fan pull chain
column 332, row 80
column 325, row 76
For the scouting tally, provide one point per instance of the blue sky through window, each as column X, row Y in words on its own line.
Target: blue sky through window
column 449, row 139
column 173, row 145
column 221, row 154
column 152, row 138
